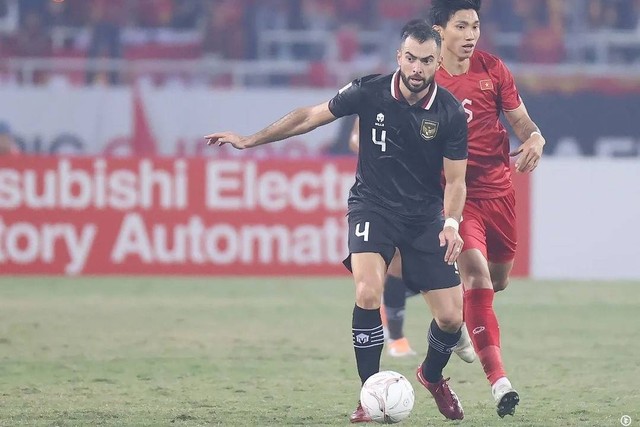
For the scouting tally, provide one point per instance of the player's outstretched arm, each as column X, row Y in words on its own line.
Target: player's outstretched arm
column 297, row 122
column 455, row 195
column 530, row 151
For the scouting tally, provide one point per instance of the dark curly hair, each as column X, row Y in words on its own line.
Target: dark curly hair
column 421, row 30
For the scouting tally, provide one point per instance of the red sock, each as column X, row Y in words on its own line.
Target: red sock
column 484, row 331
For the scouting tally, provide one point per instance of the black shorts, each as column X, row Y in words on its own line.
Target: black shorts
column 423, row 266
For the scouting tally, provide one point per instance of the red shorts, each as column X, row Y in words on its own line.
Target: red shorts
column 490, row 226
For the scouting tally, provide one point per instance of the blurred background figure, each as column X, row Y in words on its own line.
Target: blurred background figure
column 106, row 21
column 33, row 40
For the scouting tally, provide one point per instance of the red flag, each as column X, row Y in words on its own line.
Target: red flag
column 486, row 84
column 143, row 142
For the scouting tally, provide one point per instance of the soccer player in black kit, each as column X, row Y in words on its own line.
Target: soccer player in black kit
column 412, row 133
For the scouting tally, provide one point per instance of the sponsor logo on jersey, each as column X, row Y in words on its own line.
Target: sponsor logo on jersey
column 428, row 130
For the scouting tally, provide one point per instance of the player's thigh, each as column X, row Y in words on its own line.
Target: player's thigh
column 472, row 228
column 423, row 265
column 446, row 307
column 370, row 231
column 502, row 235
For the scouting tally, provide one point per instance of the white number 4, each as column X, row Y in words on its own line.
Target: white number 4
column 382, row 142
column 363, row 233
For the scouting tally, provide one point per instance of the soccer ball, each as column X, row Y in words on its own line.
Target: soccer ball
column 387, row 397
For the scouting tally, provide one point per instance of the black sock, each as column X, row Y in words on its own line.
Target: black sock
column 367, row 340
column 394, row 303
column 441, row 345
column 395, row 321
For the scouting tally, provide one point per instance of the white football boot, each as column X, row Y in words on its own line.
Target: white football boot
column 505, row 396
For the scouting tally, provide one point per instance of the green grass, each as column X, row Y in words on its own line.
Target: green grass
column 257, row 352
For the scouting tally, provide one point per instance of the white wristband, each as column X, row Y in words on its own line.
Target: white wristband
column 535, row 132
column 451, row 222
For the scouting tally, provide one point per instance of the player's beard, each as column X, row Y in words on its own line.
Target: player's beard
column 416, row 89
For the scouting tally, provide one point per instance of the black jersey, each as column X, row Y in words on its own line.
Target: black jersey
column 402, row 145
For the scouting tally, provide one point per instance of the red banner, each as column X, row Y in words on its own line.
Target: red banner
column 173, row 216
column 179, row 216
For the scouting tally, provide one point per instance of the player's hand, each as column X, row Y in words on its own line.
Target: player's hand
column 450, row 237
column 222, row 138
column 530, row 153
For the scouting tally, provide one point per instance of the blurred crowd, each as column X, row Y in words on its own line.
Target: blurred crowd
column 528, row 31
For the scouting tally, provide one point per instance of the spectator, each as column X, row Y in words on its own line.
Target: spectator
column 392, row 15
column 107, row 18
column 318, row 15
column 9, row 16
column 359, row 12
column 33, row 41
column 154, row 13
column 543, row 37
column 186, row 14
column 224, row 35
column 489, row 27
column 70, row 13
column 509, row 15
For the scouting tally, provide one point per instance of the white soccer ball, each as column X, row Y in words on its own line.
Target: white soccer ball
column 387, row 397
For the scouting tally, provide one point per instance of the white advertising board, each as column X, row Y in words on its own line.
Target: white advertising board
column 584, row 219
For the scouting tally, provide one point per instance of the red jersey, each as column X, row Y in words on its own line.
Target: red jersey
column 485, row 91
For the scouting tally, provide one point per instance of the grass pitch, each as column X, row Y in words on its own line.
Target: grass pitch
column 257, row 352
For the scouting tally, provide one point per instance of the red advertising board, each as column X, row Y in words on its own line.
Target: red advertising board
column 176, row 216
column 173, row 216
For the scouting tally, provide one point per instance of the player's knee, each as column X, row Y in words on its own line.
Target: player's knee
column 368, row 296
column 450, row 322
column 477, row 281
column 500, row 284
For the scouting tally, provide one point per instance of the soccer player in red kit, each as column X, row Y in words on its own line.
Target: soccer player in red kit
column 486, row 88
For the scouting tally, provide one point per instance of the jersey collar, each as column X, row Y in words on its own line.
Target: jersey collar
column 424, row 103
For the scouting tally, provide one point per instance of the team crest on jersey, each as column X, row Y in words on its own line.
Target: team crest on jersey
column 428, row 130
column 486, row 85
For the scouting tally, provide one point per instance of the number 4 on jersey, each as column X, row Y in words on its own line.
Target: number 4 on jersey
column 363, row 233
column 382, row 141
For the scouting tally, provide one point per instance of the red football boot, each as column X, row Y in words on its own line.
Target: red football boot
column 447, row 401
column 360, row 415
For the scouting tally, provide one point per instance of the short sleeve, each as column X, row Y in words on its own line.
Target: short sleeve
column 347, row 99
column 456, row 143
column 509, row 96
